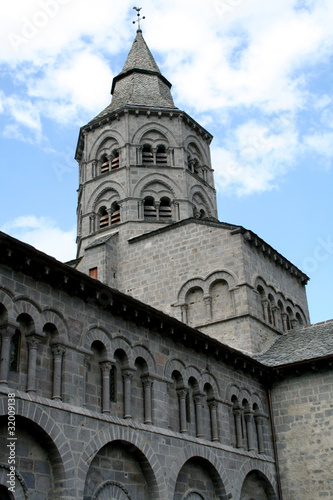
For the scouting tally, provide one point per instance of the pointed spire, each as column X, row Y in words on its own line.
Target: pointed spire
column 140, row 82
column 139, row 56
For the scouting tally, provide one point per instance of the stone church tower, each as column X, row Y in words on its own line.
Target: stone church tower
column 147, row 219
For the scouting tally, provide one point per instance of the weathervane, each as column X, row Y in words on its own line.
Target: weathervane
column 139, row 18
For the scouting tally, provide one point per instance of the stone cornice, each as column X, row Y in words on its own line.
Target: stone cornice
column 108, row 116
column 271, row 254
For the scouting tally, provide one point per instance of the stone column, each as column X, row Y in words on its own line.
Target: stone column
column 176, row 211
column 147, row 393
column 32, row 343
column 197, row 398
column 94, row 169
column 84, row 385
column 182, row 393
column 58, row 353
column 157, row 206
column 265, row 308
column 105, row 369
column 238, row 424
column 249, row 430
column 183, row 309
column 208, row 305
column 92, row 223
column 275, row 312
column 6, row 336
column 139, row 155
column 213, row 419
column 285, row 321
column 127, row 377
column 259, row 425
column 140, row 210
column 293, row 323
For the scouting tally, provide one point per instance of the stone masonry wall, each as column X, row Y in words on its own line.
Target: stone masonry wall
column 160, row 268
column 303, row 409
column 81, row 337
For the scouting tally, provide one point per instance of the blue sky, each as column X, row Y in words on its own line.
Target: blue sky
column 256, row 74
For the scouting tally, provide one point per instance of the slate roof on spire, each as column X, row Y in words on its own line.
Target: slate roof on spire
column 140, row 82
column 139, row 56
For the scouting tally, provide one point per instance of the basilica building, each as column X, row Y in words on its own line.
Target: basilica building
column 173, row 358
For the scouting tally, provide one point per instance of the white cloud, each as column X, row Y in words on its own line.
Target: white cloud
column 255, row 156
column 43, row 234
column 252, row 57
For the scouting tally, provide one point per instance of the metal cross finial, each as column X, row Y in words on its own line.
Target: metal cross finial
column 139, row 18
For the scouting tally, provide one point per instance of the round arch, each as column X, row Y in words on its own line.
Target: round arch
column 169, row 184
column 40, row 422
column 153, row 125
column 114, row 188
column 51, row 316
column 261, row 470
column 118, row 138
column 193, row 139
column 174, row 365
column 192, row 283
column 135, row 444
column 97, row 333
column 209, row 460
column 227, row 276
column 7, row 300
column 24, row 305
column 144, row 352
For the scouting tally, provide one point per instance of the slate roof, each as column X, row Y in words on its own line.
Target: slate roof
column 140, row 82
column 304, row 344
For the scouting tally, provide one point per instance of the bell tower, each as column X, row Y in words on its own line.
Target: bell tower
column 147, row 218
column 143, row 163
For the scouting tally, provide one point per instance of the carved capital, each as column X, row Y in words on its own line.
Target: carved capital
column 248, row 416
column 127, row 375
column 33, row 342
column 105, row 367
column 58, row 351
column 182, row 393
column 147, row 382
column 7, row 331
column 197, row 398
column 212, row 403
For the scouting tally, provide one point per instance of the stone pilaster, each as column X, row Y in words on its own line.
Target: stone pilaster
column 197, row 398
column 212, row 404
column 127, row 377
column 105, row 369
column 147, row 383
column 238, row 425
column 32, row 343
column 182, row 393
column 259, row 419
column 249, row 430
column 58, row 352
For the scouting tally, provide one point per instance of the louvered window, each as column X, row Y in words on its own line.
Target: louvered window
column 165, row 209
column 149, row 208
column 105, row 166
column 161, row 156
column 115, row 160
column 115, row 213
column 103, row 218
column 147, row 154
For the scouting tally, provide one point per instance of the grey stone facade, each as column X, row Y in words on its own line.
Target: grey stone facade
column 173, row 358
column 178, row 399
